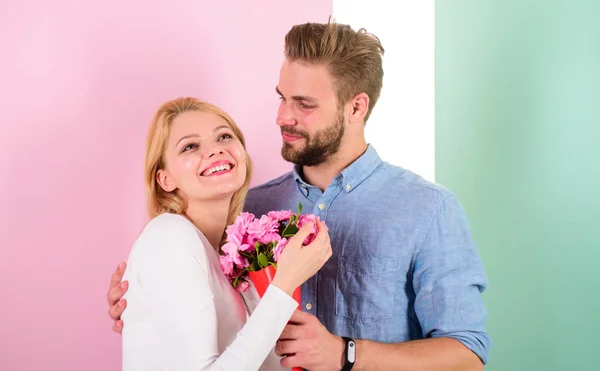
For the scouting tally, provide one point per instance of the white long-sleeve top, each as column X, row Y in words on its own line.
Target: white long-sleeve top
column 182, row 312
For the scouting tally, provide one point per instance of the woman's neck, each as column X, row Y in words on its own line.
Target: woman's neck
column 210, row 218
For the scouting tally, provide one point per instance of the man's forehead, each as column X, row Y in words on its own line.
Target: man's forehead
column 300, row 79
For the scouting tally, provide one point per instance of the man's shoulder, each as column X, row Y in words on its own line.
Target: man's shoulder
column 280, row 182
column 272, row 195
column 414, row 185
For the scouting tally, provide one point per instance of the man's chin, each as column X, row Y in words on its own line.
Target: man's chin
column 286, row 155
column 290, row 154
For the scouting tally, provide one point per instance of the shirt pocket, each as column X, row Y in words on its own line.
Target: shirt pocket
column 365, row 288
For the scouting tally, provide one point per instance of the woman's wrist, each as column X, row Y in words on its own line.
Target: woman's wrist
column 283, row 285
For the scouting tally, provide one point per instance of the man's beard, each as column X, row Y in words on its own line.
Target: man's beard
column 318, row 148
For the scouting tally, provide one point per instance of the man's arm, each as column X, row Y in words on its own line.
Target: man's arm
column 448, row 278
column 311, row 346
column 443, row 354
column 116, row 290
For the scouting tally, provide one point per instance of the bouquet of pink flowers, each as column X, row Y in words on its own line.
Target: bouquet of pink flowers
column 254, row 244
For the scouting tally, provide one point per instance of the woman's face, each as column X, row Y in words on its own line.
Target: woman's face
column 204, row 161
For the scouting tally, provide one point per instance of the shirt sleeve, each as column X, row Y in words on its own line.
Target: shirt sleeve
column 175, row 280
column 448, row 279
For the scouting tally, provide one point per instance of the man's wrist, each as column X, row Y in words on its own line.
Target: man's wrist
column 341, row 347
column 359, row 355
column 349, row 353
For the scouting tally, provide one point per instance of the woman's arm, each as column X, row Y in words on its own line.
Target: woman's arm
column 172, row 270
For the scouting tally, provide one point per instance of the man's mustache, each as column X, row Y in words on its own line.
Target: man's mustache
column 293, row 132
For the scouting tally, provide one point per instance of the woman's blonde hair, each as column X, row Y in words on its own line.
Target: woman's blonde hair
column 158, row 200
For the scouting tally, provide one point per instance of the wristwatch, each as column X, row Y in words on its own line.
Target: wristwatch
column 349, row 354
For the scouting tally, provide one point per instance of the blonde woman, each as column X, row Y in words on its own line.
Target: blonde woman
column 183, row 314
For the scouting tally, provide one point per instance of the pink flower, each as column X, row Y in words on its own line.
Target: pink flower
column 279, row 248
column 244, row 219
column 281, row 215
column 309, row 218
column 242, row 286
column 246, row 247
column 270, row 237
column 249, row 233
column 232, row 253
column 263, row 230
column 236, row 231
column 226, row 265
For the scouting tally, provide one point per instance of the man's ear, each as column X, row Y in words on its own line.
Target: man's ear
column 359, row 105
column 164, row 180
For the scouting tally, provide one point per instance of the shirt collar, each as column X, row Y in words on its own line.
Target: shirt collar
column 351, row 176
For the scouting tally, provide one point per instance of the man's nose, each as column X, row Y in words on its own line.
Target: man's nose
column 285, row 115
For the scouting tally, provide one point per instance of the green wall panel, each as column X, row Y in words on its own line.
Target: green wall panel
column 518, row 141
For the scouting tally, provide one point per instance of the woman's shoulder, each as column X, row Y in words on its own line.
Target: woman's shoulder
column 169, row 231
column 169, row 244
column 170, row 225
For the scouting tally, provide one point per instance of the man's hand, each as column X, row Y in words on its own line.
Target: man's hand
column 307, row 343
column 116, row 290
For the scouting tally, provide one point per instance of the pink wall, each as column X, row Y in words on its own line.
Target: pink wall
column 78, row 86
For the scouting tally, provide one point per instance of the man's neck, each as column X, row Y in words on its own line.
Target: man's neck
column 321, row 175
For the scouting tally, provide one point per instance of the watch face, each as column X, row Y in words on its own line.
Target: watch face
column 351, row 351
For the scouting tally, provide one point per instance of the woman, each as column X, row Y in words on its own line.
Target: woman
column 183, row 313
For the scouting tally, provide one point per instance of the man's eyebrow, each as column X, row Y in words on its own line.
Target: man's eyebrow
column 297, row 97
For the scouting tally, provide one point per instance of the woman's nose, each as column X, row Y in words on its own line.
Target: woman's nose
column 212, row 151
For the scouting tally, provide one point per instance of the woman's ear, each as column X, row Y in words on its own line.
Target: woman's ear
column 165, row 181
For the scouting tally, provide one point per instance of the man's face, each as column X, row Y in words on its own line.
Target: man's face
column 312, row 125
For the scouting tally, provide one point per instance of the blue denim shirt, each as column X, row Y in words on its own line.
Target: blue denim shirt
column 404, row 266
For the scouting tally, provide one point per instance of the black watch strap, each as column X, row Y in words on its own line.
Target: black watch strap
column 349, row 354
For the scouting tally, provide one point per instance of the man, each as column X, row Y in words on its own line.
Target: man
column 402, row 290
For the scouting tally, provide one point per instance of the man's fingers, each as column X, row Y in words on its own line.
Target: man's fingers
column 117, row 288
column 118, row 274
column 287, row 347
column 282, row 347
column 299, row 317
column 116, row 310
column 291, row 332
column 292, row 361
column 118, row 327
column 116, row 292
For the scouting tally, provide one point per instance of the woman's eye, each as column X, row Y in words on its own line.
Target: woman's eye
column 189, row 147
column 304, row 106
column 225, row 136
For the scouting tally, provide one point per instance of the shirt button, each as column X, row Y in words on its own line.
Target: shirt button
column 303, row 186
column 348, row 187
column 321, row 206
column 308, row 306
